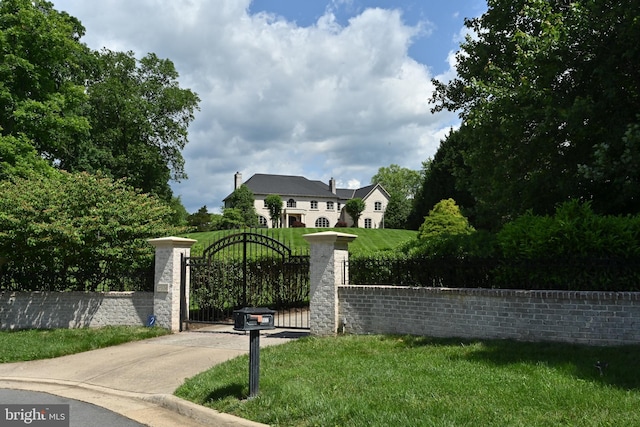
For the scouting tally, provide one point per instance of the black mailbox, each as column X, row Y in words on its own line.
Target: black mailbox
column 253, row 319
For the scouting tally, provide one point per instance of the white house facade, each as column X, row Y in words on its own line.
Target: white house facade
column 313, row 203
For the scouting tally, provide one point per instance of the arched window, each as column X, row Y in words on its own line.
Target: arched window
column 368, row 223
column 291, row 203
column 322, row 222
column 263, row 221
column 378, row 206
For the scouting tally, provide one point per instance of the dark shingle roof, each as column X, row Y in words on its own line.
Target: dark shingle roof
column 287, row 185
column 290, row 185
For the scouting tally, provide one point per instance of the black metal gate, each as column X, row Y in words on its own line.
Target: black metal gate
column 248, row 269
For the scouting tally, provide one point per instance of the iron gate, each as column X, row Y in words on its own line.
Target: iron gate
column 247, row 269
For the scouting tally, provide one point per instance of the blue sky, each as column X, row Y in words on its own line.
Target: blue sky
column 319, row 88
column 443, row 20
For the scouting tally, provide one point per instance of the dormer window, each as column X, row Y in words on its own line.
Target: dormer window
column 291, row 203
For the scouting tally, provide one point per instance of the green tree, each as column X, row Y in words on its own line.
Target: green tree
column 547, row 91
column 231, row 218
column 446, row 232
column 398, row 180
column 243, row 200
column 42, row 75
column 354, row 208
column 397, row 212
column 139, row 118
column 402, row 185
column 274, row 204
column 89, row 111
column 443, row 177
column 201, row 220
column 18, row 158
column 444, row 219
column 180, row 214
column 76, row 231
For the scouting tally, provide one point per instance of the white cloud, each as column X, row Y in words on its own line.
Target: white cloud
column 320, row 101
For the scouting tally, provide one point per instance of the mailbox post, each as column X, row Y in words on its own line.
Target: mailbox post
column 254, row 320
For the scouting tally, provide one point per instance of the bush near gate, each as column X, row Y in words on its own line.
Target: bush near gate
column 573, row 249
column 77, row 232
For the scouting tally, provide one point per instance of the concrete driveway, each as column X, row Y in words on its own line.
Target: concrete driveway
column 137, row 379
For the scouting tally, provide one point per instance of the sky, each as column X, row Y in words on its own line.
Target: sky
column 317, row 88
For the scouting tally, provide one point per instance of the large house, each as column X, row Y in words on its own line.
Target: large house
column 314, row 203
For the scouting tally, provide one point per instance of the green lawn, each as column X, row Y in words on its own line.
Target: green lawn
column 411, row 381
column 368, row 240
column 34, row 344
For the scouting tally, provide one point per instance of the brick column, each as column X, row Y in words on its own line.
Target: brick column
column 166, row 292
column 328, row 270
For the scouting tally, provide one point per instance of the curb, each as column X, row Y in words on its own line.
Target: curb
column 197, row 413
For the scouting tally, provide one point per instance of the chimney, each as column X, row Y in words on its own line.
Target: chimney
column 237, row 180
column 332, row 185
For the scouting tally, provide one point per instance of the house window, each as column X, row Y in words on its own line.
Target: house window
column 329, row 206
column 378, row 206
column 322, row 222
column 263, row 221
column 314, row 204
column 291, row 203
column 368, row 223
column 339, row 206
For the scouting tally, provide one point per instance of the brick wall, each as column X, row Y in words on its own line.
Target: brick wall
column 596, row 318
column 23, row 310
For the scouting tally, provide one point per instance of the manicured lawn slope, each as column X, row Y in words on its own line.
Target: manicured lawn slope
column 414, row 381
column 368, row 240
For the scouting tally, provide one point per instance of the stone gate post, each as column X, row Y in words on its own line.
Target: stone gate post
column 328, row 270
column 166, row 291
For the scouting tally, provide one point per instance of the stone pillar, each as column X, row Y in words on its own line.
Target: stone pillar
column 328, row 270
column 166, row 295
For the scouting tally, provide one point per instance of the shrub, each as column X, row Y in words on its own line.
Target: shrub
column 574, row 230
column 340, row 224
column 444, row 219
column 75, row 231
column 298, row 224
column 573, row 249
column 445, row 231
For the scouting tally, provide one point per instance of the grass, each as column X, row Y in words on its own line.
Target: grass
column 369, row 240
column 34, row 344
column 401, row 381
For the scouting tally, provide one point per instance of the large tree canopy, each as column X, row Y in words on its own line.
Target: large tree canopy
column 42, row 72
column 88, row 111
column 402, row 185
column 549, row 94
column 442, row 179
column 139, row 117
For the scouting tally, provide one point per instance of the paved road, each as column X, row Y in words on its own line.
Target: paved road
column 81, row 414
